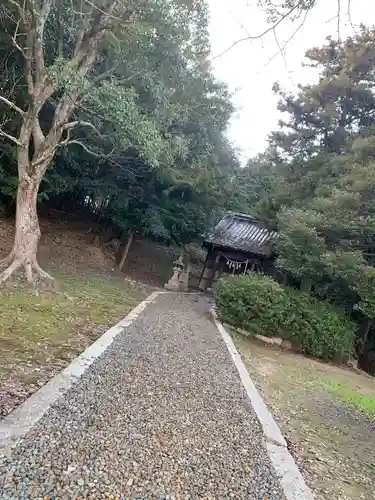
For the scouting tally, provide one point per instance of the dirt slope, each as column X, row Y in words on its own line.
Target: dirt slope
column 69, row 246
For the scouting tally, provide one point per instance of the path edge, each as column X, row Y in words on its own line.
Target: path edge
column 291, row 479
column 15, row 425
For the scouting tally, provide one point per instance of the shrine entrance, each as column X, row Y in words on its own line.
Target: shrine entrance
column 219, row 263
column 237, row 245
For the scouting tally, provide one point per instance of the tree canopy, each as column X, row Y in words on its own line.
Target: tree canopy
column 111, row 106
column 315, row 182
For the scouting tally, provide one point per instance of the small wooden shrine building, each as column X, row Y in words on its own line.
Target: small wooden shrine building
column 238, row 244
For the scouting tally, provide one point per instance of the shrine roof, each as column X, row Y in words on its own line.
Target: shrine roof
column 243, row 233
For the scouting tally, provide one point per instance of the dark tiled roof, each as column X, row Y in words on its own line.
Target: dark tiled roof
column 242, row 232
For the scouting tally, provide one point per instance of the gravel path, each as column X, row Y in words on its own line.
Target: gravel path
column 161, row 414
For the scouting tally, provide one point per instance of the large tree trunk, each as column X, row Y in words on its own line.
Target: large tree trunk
column 27, row 235
column 33, row 161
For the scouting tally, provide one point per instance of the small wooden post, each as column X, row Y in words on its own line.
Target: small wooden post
column 207, row 270
column 214, row 270
column 126, row 250
column 306, row 285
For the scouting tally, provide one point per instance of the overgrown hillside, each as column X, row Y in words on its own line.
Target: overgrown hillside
column 123, row 121
column 69, row 246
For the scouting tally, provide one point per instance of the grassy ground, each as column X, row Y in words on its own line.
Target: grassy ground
column 327, row 415
column 40, row 334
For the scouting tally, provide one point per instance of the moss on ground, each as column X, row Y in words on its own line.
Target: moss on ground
column 326, row 413
column 36, row 332
column 353, row 397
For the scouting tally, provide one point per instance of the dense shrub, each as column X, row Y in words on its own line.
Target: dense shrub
column 258, row 304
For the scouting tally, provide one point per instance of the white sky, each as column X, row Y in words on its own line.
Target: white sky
column 247, row 68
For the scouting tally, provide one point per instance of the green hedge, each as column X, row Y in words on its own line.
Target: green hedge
column 260, row 305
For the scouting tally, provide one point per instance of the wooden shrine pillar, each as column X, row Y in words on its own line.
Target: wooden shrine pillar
column 208, row 272
column 215, row 270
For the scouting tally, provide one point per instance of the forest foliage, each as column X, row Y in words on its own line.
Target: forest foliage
column 145, row 149
column 111, row 109
column 315, row 183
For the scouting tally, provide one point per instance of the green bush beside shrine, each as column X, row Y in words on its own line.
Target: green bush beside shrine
column 260, row 305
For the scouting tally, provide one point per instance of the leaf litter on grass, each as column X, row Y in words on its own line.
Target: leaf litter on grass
column 39, row 335
column 326, row 415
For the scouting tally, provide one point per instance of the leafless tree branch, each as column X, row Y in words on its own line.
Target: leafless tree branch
column 10, row 137
column 350, row 16
column 69, row 127
column 37, row 33
column 11, row 105
column 95, row 7
column 87, row 149
column 18, row 7
column 261, row 35
column 80, row 123
column 283, row 17
column 282, row 52
column 14, row 40
column 288, row 40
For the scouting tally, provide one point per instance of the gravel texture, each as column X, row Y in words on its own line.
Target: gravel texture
column 161, row 414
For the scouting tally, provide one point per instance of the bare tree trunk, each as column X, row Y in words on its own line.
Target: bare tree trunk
column 126, row 250
column 26, row 240
column 366, row 331
column 306, row 285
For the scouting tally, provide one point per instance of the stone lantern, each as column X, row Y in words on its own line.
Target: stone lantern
column 179, row 281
